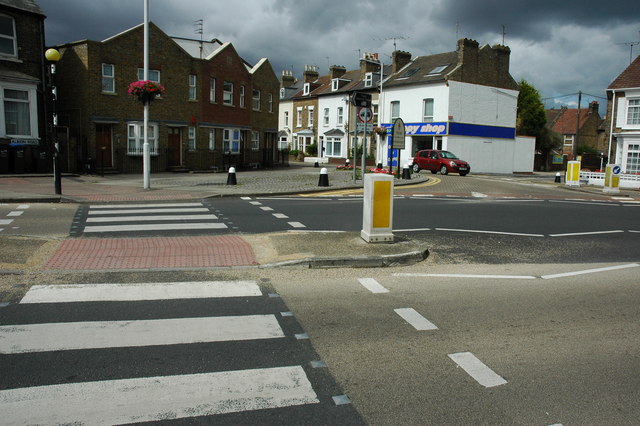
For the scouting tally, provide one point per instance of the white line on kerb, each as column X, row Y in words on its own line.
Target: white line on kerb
column 590, row 271
column 477, row 369
column 412, row 229
column 418, row 322
column 149, row 399
column 372, row 285
column 509, row 277
column 489, row 232
column 296, row 225
column 617, row 231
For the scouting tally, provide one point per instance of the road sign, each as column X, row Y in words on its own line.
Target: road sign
column 365, row 115
column 616, row 170
column 397, row 138
column 361, row 99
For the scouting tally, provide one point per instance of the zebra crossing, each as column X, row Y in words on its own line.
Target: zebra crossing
column 117, row 219
column 124, row 353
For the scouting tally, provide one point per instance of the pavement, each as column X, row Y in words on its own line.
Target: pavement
column 284, row 249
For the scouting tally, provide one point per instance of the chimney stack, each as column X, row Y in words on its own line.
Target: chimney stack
column 287, row 79
column 337, row 71
column 310, row 73
column 400, row 59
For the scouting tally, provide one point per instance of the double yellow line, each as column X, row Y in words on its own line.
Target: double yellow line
column 432, row 181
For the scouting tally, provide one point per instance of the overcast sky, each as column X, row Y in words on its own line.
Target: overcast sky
column 561, row 47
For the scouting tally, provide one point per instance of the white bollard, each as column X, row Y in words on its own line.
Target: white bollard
column 324, row 177
column 231, row 177
column 377, row 214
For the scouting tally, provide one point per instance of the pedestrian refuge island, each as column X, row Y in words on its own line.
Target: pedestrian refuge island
column 377, row 211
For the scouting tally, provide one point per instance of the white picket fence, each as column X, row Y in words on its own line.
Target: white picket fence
column 597, row 179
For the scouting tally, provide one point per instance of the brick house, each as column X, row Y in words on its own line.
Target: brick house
column 23, row 129
column 564, row 121
column 203, row 121
column 623, row 118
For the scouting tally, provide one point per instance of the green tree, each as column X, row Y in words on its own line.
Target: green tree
column 531, row 118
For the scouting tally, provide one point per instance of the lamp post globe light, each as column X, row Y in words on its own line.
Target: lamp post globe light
column 53, row 56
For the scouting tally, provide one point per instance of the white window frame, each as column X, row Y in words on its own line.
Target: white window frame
column 335, row 85
column 325, row 119
column 227, row 93
column 154, row 75
column 255, row 140
column 255, row 100
column 135, row 138
column 193, row 80
column 425, row 117
column 395, row 114
column 212, row 139
column 282, row 92
column 212, row 89
column 191, row 144
column 633, row 158
column 286, row 119
column 13, row 37
column 242, row 96
column 299, row 117
column 32, row 109
column 231, row 141
column 306, row 89
column 108, row 79
column 368, row 79
column 310, row 116
column 633, row 112
column 340, row 116
column 330, row 147
column 270, row 102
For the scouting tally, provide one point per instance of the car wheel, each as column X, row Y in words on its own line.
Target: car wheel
column 463, row 174
column 433, row 172
column 416, row 168
column 443, row 170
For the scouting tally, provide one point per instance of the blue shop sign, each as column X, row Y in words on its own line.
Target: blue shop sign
column 458, row 129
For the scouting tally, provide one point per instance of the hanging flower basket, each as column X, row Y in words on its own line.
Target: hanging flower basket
column 145, row 90
column 380, row 130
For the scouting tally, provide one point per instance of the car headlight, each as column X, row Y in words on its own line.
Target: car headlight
column 452, row 163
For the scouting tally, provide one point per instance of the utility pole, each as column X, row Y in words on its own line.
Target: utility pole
column 577, row 139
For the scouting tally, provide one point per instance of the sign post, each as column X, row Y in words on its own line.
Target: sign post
column 397, row 140
column 363, row 102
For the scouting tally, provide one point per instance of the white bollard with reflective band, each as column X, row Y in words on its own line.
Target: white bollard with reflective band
column 377, row 215
column 573, row 174
column 612, row 179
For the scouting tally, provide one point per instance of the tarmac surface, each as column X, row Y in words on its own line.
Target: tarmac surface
column 284, row 249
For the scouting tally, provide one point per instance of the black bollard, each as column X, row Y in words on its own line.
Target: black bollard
column 316, row 164
column 231, row 177
column 558, row 179
column 406, row 174
column 324, row 177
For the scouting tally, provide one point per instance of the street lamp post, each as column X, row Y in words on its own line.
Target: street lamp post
column 53, row 56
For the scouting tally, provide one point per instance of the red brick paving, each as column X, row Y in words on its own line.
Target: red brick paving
column 146, row 253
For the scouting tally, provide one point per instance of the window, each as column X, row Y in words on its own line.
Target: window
column 368, row 79
column 242, row 103
column 8, row 44
column 335, row 84
column 192, row 87
column 333, row 147
column 227, row 96
column 427, row 110
column 633, row 111
column 395, row 110
column 311, row 117
column 231, row 141
column 326, row 117
column 108, row 79
column 299, row 117
column 282, row 93
column 255, row 140
column 270, row 102
column 633, row 158
column 17, row 112
column 192, row 139
column 306, row 89
column 286, row 119
column 256, row 100
column 135, row 138
column 374, row 109
column 212, row 90
column 438, row 69
column 340, row 115
column 154, row 75
column 212, row 139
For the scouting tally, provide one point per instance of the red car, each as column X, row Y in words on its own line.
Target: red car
column 439, row 161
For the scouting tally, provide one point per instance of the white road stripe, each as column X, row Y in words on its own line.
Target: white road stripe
column 23, row 206
column 590, row 271
column 280, row 216
column 266, row 209
column 255, row 203
column 489, row 232
column 151, row 399
column 372, row 285
column 418, row 322
column 477, row 369
column 618, row 231
column 103, row 219
column 509, row 277
column 5, row 221
column 142, row 206
column 139, row 291
column 479, row 195
column 154, row 227
column 412, row 229
column 158, row 210
column 296, row 225
column 15, row 213
column 110, row 334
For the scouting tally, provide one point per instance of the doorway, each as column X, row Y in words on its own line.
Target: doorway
column 174, row 147
column 104, row 145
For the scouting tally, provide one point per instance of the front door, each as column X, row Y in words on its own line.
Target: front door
column 175, row 147
column 104, row 152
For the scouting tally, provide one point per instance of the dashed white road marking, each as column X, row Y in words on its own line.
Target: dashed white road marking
column 149, row 399
column 255, row 203
column 489, row 232
column 15, row 213
column 590, row 271
column 280, row 216
column 477, row 369
column 509, row 277
column 23, row 206
column 571, row 234
column 479, row 195
column 296, row 225
column 372, row 285
column 5, row 221
column 266, row 209
column 418, row 322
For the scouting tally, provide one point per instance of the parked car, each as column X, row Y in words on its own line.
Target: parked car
column 439, row 161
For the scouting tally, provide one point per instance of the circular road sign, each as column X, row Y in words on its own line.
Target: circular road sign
column 616, row 170
column 365, row 115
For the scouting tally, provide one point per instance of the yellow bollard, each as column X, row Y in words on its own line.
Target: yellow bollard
column 573, row 174
column 612, row 179
column 377, row 215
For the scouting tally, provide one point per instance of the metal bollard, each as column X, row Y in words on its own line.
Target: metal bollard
column 406, row 174
column 231, row 177
column 324, row 177
column 558, row 178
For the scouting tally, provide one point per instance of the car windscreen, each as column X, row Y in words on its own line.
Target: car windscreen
column 447, row 154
